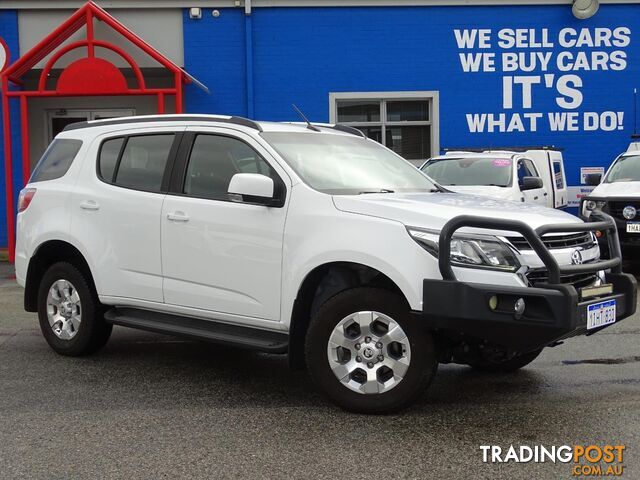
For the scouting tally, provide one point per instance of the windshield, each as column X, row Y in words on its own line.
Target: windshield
column 626, row 169
column 347, row 165
column 470, row 171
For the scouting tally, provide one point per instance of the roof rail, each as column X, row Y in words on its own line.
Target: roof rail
column 164, row 118
column 500, row 148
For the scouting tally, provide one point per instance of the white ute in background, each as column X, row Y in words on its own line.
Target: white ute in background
column 520, row 175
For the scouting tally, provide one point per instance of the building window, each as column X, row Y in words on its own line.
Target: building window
column 406, row 122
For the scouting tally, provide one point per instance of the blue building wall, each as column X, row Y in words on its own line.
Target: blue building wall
column 9, row 32
column 302, row 54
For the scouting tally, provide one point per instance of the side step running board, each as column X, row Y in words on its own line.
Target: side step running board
column 209, row 330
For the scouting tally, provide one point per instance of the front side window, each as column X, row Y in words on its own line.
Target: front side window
column 480, row 171
column 215, row 159
column 347, row 164
column 403, row 125
column 526, row 168
column 56, row 161
column 626, row 169
column 141, row 163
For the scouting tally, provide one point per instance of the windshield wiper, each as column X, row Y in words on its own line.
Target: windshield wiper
column 382, row 190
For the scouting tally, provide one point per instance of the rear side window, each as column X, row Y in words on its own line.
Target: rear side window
column 56, row 160
column 137, row 162
column 557, row 174
column 109, row 154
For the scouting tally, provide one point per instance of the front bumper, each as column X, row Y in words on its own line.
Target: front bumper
column 553, row 311
column 627, row 240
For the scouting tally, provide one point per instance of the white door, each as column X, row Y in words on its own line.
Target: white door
column 219, row 255
column 526, row 168
column 116, row 212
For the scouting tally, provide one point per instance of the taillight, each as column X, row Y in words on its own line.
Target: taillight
column 24, row 200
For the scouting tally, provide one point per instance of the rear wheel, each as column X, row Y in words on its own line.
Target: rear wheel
column 69, row 312
column 505, row 366
column 366, row 352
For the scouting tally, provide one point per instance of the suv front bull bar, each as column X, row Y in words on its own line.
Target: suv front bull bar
column 553, row 311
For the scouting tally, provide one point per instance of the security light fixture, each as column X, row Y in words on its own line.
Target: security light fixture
column 195, row 13
column 584, row 9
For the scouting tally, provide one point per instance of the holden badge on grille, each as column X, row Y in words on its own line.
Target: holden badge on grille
column 576, row 258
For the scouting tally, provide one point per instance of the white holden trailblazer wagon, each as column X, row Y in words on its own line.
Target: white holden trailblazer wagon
column 304, row 239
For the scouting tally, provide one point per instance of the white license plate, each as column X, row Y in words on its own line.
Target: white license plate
column 633, row 227
column 599, row 314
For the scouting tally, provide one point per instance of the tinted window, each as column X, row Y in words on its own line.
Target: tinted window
column 215, row 159
column 109, row 157
column 526, row 169
column 143, row 162
column 56, row 160
column 557, row 174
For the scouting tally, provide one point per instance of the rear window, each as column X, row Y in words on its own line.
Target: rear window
column 56, row 161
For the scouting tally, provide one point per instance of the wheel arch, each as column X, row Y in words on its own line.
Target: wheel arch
column 48, row 253
column 321, row 283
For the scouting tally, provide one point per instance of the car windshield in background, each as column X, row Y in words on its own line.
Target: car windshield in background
column 626, row 169
column 468, row 171
column 346, row 164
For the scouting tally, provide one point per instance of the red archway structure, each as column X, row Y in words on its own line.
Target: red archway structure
column 88, row 76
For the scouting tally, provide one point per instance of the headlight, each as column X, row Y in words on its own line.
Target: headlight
column 478, row 251
column 590, row 205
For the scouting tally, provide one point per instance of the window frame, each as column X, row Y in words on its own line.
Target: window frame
column 168, row 168
column 183, row 157
column 432, row 96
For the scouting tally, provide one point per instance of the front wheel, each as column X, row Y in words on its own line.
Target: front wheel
column 71, row 317
column 366, row 352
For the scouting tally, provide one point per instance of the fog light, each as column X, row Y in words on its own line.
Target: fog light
column 519, row 307
column 493, row 302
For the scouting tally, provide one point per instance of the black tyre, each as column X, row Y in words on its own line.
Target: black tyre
column 507, row 366
column 367, row 354
column 71, row 317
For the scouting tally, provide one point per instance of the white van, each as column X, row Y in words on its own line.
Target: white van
column 531, row 175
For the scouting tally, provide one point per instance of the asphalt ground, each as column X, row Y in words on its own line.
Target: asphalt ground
column 153, row 406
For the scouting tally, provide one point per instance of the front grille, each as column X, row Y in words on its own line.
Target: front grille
column 578, row 280
column 615, row 208
column 582, row 239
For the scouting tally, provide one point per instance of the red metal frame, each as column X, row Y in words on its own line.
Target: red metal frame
column 106, row 79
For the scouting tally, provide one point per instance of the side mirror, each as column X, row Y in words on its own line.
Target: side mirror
column 531, row 183
column 251, row 188
column 593, row 179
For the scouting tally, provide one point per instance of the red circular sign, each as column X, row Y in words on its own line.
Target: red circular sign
column 4, row 54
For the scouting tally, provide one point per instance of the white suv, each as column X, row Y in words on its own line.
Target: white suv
column 306, row 239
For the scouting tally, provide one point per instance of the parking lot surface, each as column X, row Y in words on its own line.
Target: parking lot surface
column 152, row 406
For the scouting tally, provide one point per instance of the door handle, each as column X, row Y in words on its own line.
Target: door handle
column 545, row 194
column 536, row 197
column 177, row 217
column 89, row 205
